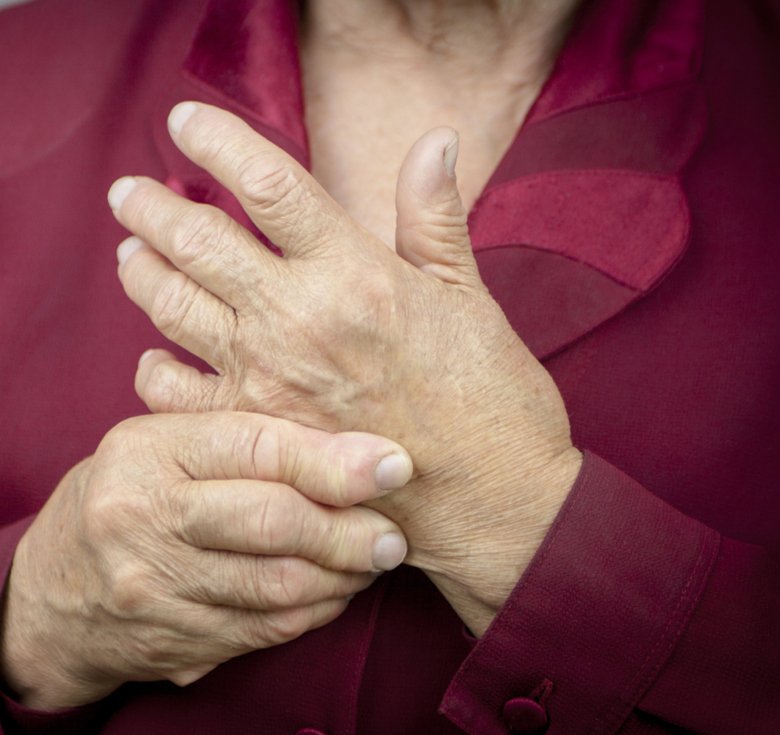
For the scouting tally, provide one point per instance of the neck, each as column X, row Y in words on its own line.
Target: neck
column 519, row 35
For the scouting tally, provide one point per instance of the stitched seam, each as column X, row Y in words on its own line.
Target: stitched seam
column 563, row 172
column 568, row 256
column 667, row 262
column 614, row 717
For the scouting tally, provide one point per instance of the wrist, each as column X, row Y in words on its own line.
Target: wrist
column 480, row 573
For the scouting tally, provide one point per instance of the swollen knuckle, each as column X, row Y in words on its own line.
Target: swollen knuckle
column 268, row 183
column 122, row 437
column 285, row 583
column 287, row 625
column 254, row 632
column 194, row 235
column 378, row 287
column 98, row 519
column 172, row 303
column 162, row 391
column 375, row 306
column 130, row 591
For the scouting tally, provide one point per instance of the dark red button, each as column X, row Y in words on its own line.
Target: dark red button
column 524, row 716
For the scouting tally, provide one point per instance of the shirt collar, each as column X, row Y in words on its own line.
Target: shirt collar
column 589, row 190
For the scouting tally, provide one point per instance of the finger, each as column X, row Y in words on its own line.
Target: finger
column 431, row 229
column 278, row 194
column 217, row 634
column 252, row 630
column 199, row 239
column 187, row 676
column 265, row 582
column 274, row 519
column 167, row 385
column 335, row 469
column 181, row 309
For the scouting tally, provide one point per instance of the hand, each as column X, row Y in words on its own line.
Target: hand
column 182, row 543
column 343, row 333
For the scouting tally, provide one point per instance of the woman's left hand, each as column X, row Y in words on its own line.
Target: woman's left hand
column 345, row 334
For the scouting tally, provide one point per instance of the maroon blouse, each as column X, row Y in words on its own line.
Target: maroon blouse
column 630, row 234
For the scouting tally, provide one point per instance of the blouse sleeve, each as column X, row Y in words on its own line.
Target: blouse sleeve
column 632, row 618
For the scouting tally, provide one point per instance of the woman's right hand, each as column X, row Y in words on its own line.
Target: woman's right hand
column 187, row 540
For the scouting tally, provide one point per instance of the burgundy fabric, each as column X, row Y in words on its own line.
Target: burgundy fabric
column 631, row 236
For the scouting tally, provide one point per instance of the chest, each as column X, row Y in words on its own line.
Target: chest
column 362, row 121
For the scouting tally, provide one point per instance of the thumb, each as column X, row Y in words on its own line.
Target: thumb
column 431, row 230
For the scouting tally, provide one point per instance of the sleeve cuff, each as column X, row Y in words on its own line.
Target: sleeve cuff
column 593, row 619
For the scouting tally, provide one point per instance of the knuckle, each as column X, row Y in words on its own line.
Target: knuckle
column 110, row 510
column 256, row 442
column 248, row 439
column 194, row 235
column 378, row 288
column 130, row 591
column 336, row 473
column 288, row 454
column 288, row 624
column 448, row 212
column 274, row 523
column 267, row 183
column 172, row 304
column 122, row 437
column 276, row 584
column 255, row 631
column 349, row 538
column 162, row 391
column 323, row 534
column 176, row 511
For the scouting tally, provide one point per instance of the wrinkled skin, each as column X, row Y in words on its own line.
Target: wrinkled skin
column 182, row 543
column 343, row 333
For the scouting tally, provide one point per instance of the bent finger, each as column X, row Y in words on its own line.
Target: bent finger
column 199, row 239
column 253, row 630
column 180, row 308
column 278, row 194
column 167, row 385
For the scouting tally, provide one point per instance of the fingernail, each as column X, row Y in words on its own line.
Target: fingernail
column 146, row 354
column 389, row 551
column 451, row 156
column 119, row 191
column 392, row 472
column 127, row 248
column 179, row 115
